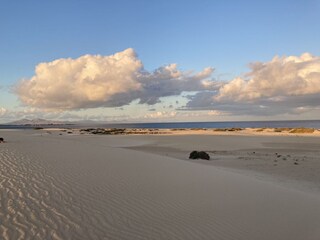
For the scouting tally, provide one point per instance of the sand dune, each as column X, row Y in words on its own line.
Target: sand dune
column 90, row 187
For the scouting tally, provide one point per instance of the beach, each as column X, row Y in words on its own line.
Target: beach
column 71, row 184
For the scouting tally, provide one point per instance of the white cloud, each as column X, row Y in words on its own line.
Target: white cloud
column 105, row 81
column 3, row 111
column 215, row 113
column 282, row 76
column 283, row 85
column 160, row 114
column 183, row 115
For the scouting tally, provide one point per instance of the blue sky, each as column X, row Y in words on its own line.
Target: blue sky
column 224, row 35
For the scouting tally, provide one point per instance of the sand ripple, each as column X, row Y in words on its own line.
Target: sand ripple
column 28, row 206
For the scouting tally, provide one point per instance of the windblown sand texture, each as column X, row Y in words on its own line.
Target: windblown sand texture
column 100, row 187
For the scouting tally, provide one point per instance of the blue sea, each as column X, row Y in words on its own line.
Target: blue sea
column 242, row 124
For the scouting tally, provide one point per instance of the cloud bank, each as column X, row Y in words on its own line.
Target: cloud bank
column 283, row 85
column 105, row 81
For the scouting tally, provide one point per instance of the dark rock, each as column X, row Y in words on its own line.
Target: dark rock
column 199, row 155
column 1, row 140
column 193, row 155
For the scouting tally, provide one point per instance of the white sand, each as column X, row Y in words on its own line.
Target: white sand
column 289, row 160
column 91, row 187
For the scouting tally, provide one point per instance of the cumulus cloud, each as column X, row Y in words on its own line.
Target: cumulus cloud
column 283, row 85
column 183, row 115
column 105, row 81
column 3, row 111
column 160, row 115
column 282, row 76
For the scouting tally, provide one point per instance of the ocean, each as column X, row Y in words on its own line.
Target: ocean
column 171, row 125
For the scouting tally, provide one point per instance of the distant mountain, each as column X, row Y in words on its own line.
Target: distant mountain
column 37, row 122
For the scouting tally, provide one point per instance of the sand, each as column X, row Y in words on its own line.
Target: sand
column 289, row 160
column 74, row 186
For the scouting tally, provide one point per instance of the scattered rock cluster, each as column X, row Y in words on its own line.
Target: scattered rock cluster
column 120, row 131
column 199, row 155
column 284, row 158
column 102, row 131
column 227, row 129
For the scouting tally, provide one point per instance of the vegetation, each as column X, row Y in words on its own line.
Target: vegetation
column 302, row 130
column 282, row 129
column 120, row 131
column 227, row 129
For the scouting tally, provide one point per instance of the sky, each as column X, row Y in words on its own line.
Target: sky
column 163, row 61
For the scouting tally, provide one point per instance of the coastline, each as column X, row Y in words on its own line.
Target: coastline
column 191, row 131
